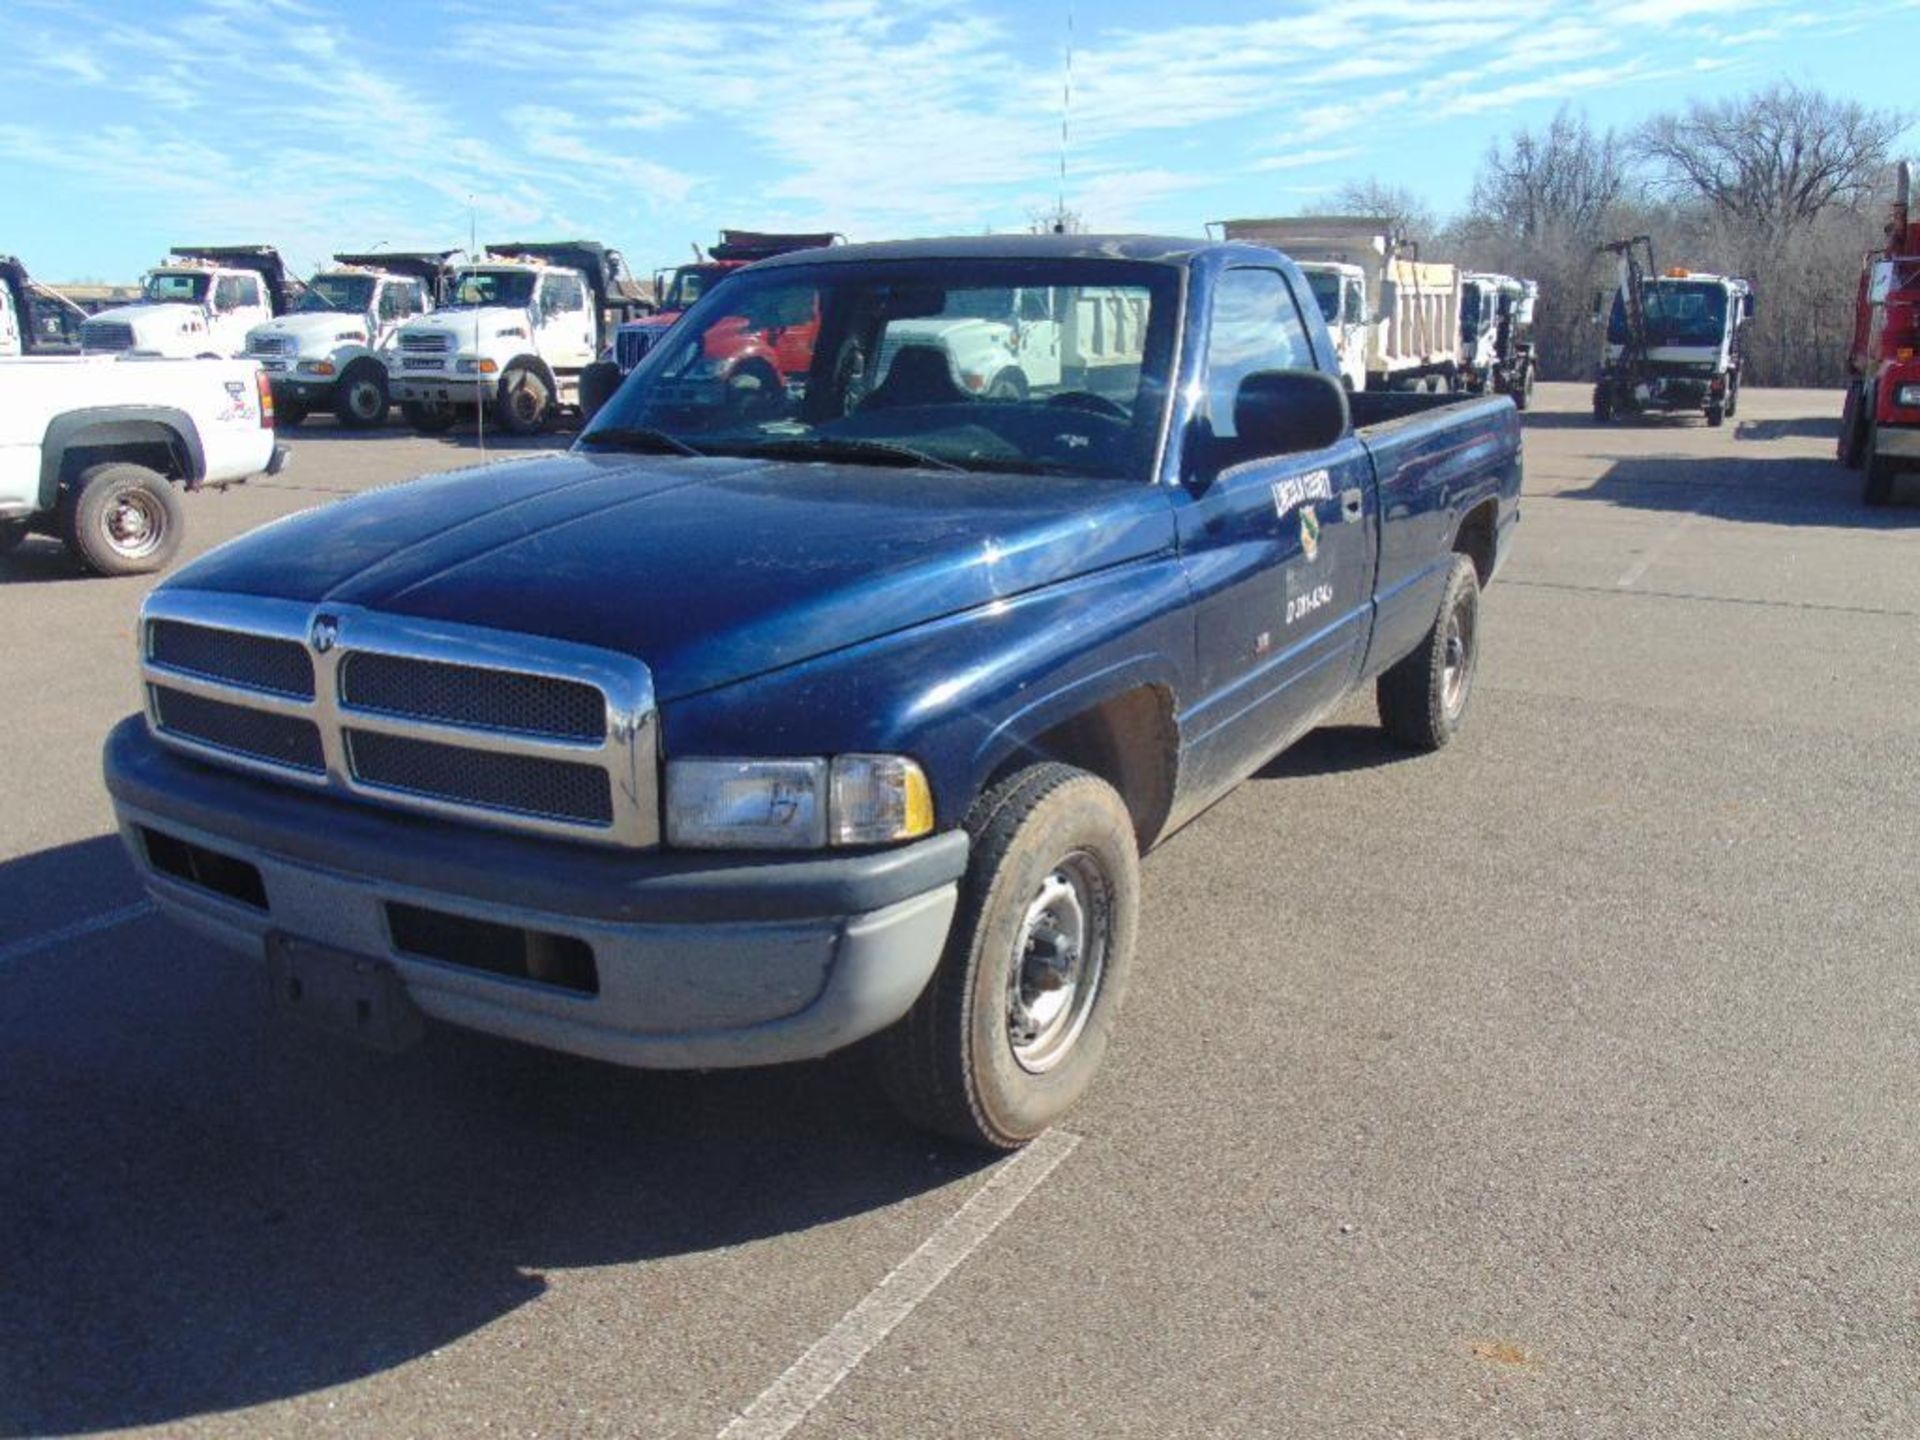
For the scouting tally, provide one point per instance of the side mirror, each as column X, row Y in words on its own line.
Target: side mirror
column 1288, row 412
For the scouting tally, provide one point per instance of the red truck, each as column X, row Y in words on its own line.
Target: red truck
column 764, row 359
column 1880, row 426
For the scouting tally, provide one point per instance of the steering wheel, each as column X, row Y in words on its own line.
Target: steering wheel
column 1090, row 402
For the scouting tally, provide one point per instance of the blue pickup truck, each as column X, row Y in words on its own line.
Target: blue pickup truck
column 770, row 721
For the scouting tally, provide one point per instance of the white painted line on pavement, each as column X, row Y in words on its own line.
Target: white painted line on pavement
column 831, row 1358
column 1631, row 576
column 47, row 939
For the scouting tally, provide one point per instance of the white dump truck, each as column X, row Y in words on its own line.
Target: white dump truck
column 1496, row 335
column 514, row 331
column 1005, row 344
column 200, row 302
column 1395, row 318
column 330, row 351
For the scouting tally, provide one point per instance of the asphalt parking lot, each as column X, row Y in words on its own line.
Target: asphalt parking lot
column 1556, row 1084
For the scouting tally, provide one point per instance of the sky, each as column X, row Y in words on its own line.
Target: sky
column 323, row 125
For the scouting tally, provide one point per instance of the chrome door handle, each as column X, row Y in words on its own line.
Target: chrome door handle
column 1352, row 504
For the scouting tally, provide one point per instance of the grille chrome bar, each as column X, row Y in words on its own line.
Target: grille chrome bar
column 490, row 764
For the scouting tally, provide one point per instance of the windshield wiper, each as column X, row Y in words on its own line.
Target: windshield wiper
column 639, row 437
column 857, row 452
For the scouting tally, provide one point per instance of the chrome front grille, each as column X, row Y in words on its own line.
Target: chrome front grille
column 429, row 343
column 630, row 346
column 510, row 730
column 272, row 344
column 105, row 335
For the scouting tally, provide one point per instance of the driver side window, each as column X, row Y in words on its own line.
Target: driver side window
column 231, row 292
column 1256, row 326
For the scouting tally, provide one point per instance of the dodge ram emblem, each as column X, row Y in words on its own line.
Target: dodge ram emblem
column 326, row 630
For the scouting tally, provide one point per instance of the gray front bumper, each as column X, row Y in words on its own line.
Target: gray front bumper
column 1896, row 442
column 701, row 962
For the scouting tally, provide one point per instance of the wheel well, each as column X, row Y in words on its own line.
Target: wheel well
column 153, row 446
column 1477, row 538
column 1131, row 741
column 533, row 363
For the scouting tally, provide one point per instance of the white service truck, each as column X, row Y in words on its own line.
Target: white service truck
column 331, row 350
column 95, row 450
column 1673, row 339
column 1496, row 335
column 202, row 301
column 1394, row 318
column 511, row 337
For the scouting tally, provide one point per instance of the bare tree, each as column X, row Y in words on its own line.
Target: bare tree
column 1772, row 160
column 1409, row 212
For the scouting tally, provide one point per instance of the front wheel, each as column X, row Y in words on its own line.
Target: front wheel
column 1009, row 386
column 121, row 519
column 360, row 400
column 1010, row 1031
column 1423, row 699
column 428, row 419
column 1878, row 472
column 1603, row 402
column 1852, row 445
column 1522, row 393
column 525, row 403
column 1716, row 415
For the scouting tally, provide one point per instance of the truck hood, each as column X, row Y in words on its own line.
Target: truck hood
column 487, row 321
column 160, row 320
column 313, row 329
column 709, row 570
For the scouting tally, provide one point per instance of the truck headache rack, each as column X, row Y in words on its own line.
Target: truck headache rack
column 263, row 260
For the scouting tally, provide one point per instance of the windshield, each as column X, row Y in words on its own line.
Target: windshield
column 690, row 282
column 352, row 293
column 1678, row 313
column 863, row 363
column 1325, row 285
column 178, row 287
column 510, row 288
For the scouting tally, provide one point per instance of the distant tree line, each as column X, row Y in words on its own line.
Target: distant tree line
column 1787, row 186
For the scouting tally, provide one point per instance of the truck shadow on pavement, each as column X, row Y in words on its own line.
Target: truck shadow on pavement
column 207, row 1210
column 1782, row 490
column 1336, row 750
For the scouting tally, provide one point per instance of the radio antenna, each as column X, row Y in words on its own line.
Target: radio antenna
column 1066, row 116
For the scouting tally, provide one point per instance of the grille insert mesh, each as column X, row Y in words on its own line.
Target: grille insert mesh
column 258, row 662
column 473, row 695
column 278, row 739
column 527, row 784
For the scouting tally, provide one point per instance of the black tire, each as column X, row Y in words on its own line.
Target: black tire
column 1603, row 402
column 12, row 532
column 1716, row 416
column 524, row 405
column 1851, row 447
column 598, row 383
column 121, row 519
column 1522, row 393
column 288, row 414
column 360, row 400
column 429, row 419
column 1008, row 387
column 1877, row 472
column 1733, row 395
column 950, row 1065
column 1423, row 699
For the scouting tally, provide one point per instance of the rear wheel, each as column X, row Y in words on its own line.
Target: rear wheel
column 428, row 418
column 360, row 400
column 1423, row 699
column 1522, row 392
column 1733, row 394
column 525, row 402
column 598, row 382
column 1852, row 444
column 1603, row 402
column 12, row 532
column 121, row 519
column 288, row 414
column 1716, row 415
column 1012, row 1028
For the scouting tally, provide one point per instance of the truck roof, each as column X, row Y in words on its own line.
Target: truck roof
column 605, row 268
column 1162, row 248
column 427, row 265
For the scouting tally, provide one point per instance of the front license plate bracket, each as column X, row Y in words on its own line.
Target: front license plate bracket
column 356, row 996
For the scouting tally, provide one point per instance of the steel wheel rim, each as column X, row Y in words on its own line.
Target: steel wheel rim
column 364, row 399
column 1458, row 670
column 1059, row 960
column 134, row 524
column 528, row 399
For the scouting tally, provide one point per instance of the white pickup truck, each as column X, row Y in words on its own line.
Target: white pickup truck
column 331, row 350
column 202, row 301
column 95, row 451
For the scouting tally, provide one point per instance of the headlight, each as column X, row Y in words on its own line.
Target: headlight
column 1907, row 397
column 796, row 804
column 315, row 367
column 747, row 804
column 467, row 365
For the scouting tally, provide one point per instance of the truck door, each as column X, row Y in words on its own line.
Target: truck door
column 566, row 322
column 1037, row 338
column 1279, row 550
column 237, row 307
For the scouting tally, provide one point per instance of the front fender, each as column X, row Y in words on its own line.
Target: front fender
column 964, row 694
